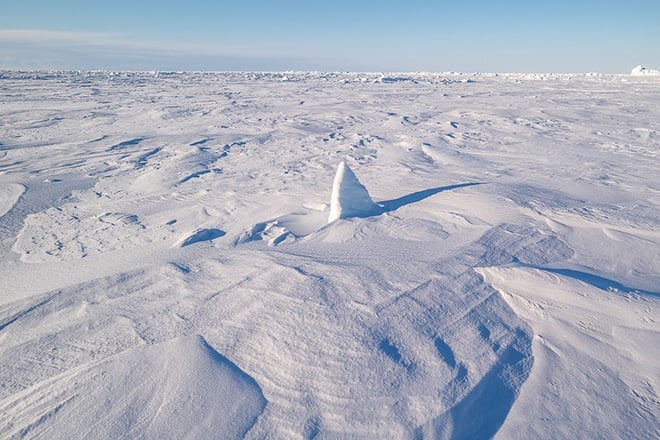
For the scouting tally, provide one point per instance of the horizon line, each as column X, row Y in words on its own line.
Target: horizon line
column 299, row 71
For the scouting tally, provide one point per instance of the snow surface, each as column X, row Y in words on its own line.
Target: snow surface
column 168, row 268
column 176, row 389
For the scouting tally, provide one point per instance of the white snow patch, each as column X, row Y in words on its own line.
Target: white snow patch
column 66, row 233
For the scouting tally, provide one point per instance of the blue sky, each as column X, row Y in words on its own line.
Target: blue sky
column 609, row 36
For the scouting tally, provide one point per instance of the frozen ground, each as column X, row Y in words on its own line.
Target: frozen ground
column 168, row 266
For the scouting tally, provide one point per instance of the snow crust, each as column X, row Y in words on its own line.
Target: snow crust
column 167, row 268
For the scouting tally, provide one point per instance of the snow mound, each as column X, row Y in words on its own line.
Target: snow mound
column 181, row 388
column 349, row 197
column 643, row 71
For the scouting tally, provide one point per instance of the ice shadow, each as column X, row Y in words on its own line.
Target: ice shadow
column 393, row 205
column 483, row 411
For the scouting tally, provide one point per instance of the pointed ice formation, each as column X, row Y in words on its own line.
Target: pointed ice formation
column 349, row 197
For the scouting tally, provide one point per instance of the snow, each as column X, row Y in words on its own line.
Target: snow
column 171, row 265
column 580, row 336
column 9, row 195
column 179, row 388
column 349, row 197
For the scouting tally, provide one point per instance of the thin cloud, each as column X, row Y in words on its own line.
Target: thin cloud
column 45, row 49
column 43, row 36
column 103, row 40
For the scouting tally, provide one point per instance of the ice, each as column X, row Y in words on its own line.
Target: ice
column 643, row 71
column 349, row 197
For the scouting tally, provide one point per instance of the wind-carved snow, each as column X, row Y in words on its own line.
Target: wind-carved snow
column 349, row 197
column 499, row 278
column 181, row 388
column 550, row 301
column 199, row 236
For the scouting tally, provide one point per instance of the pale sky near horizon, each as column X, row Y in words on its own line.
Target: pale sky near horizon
column 609, row 36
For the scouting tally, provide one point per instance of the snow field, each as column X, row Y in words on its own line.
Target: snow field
column 167, row 234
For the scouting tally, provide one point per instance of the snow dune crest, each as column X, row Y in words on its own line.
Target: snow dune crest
column 9, row 195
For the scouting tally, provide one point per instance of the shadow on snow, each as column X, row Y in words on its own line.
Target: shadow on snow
column 393, row 205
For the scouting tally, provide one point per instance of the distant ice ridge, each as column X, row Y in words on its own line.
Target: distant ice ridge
column 643, row 71
column 349, row 197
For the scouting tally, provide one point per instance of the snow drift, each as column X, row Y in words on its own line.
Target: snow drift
column 181, row 388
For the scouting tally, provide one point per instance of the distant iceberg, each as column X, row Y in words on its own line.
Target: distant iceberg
column 643, row 71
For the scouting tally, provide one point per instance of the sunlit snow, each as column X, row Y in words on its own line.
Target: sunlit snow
column 332, row 255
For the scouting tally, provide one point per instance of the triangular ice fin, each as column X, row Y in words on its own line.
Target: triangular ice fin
column 349, row 197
